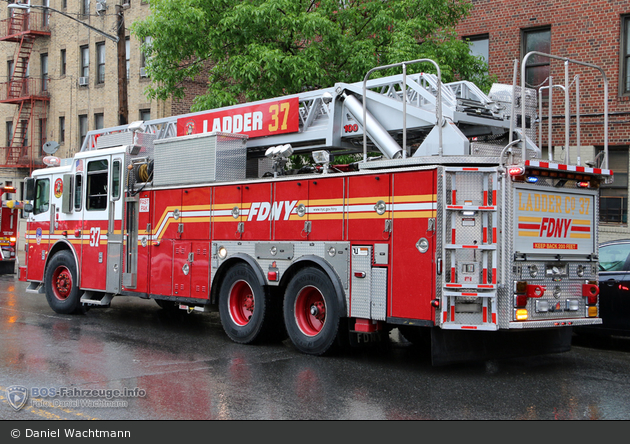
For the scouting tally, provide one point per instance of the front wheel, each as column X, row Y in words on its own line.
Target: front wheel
column 62, row 291
column 311, row 311
column 244, row 306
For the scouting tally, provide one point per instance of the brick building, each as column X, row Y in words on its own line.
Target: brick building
column 59, row 78
column 596, row 32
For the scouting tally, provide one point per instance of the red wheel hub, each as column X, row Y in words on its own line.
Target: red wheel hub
column 62, row 283
column 241, row 303
column 310, row 311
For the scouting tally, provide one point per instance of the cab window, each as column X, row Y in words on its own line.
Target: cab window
column 116, row 175
column 42, row 196
column 78, row 192
column 97, row 185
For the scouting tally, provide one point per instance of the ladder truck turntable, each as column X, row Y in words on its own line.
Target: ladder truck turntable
column 457, row 233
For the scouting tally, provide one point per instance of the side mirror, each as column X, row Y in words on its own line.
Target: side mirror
column 29, row 189
column 28, row 208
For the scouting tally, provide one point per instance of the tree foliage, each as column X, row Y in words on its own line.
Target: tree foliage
column 256, row 49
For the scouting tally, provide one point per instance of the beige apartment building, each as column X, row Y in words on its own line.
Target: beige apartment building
column 59, row 78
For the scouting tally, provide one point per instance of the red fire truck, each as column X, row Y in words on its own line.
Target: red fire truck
column 9, row 217
column 450, row 227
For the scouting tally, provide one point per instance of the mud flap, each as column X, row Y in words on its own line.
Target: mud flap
column 452, row 346
column 7, row 267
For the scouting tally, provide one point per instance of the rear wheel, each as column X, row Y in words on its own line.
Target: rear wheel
column 62, row 292
column 311, row 311
column 244, row 305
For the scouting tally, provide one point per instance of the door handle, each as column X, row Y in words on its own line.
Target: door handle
column 611, row 282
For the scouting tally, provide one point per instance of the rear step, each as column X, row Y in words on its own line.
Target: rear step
column 96, row 298
column 36, row 287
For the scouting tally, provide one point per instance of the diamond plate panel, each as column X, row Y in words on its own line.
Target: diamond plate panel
column 379, row 294
column 360, row 299
column 200, row 158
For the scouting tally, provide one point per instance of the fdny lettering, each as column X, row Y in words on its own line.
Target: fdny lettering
column 552, row 227
column 271, row 210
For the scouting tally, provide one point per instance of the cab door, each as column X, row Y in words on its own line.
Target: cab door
column 40, row 224
column 114, row 225
column 96, row 215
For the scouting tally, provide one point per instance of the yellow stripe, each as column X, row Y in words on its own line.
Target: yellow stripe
column 416, row 198
column 414, row 214
column 325, row 216
column 371, row 215
column 197, row 219
column 581, row 222
column 225, row 219
column 529, row 219
column 580, row 235
column 528, row 233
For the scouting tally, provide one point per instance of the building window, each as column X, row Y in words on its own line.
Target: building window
column 24, row 127
column 143, row 57
column 624, row 82
column 62, row 129
column 613, row 202
column 42, row 134
column 83, row 129
column 538, row 67
column 145, row 114
column 9, row 132
column 45, row 14
column 62, row 62
column 100, row 57
column 127, row 55
column 85, row 7
column 44, row 63
column 10, row 65
column 99, row 121
column 479, row 46
column 85, row 61
column 64, row 4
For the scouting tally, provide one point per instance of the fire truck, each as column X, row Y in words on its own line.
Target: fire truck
column 9, row 218
column 450, row 226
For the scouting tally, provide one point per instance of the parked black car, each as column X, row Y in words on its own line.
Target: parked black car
column 614, row 290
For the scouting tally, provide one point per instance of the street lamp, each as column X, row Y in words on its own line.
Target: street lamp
column 118, row 39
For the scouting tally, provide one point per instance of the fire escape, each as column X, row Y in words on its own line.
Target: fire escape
column 30, row 95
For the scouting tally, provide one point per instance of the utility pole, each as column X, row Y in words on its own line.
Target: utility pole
column 123, row 105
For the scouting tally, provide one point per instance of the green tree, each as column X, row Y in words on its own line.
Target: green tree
column 255, row 49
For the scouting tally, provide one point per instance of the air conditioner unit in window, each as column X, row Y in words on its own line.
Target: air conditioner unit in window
column 143, row 72
column 100, row 7
column 83, row 81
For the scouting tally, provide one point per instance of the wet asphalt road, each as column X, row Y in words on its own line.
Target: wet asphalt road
column 189, row 369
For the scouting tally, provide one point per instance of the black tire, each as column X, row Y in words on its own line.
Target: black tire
column 60, row 281
column 244, row 306
column 312, row 330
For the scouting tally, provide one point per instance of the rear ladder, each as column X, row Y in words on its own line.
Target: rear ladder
column 469, row 236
